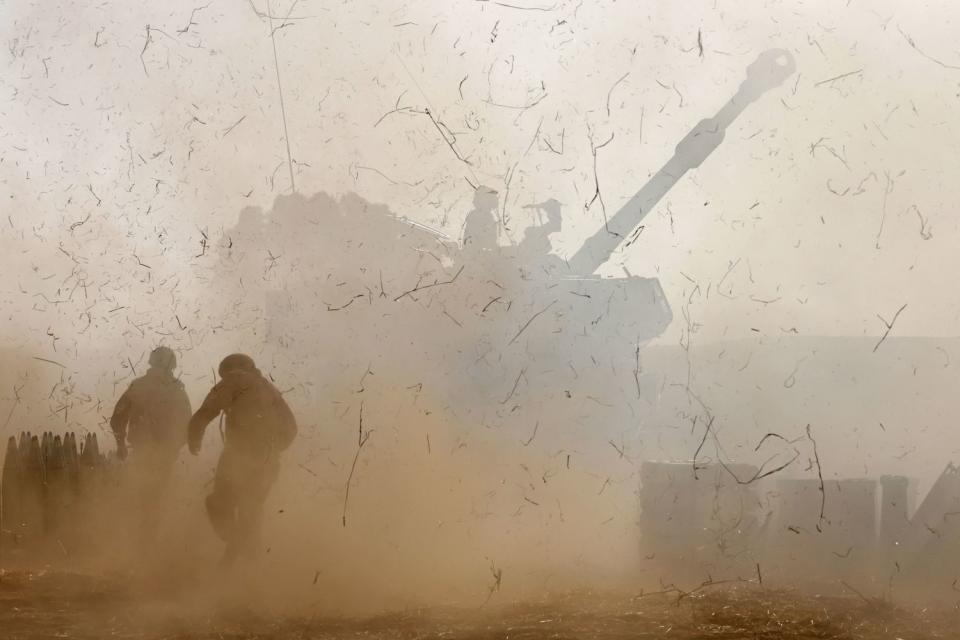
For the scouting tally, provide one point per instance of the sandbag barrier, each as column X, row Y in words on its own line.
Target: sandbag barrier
column 52, row 497
column 713, row 520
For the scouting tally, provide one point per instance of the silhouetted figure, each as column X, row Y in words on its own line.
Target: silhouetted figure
column 480, row 228
column 259, row 426
column 534, row 249
column 151, row 417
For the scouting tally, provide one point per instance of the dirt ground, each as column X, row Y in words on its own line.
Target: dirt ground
column 69, row 605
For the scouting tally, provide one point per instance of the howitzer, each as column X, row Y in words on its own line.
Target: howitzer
column 769, row 71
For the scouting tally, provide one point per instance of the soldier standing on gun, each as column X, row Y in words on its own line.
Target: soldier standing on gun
column 152, row 416
column 259, row 426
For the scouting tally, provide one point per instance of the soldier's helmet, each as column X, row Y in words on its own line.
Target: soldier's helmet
column 236, row 362
column 163, row 358
column 485, row 199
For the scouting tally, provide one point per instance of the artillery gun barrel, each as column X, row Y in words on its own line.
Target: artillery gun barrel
column 771, row 68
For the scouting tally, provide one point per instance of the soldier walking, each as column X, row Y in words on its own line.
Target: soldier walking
column 151, row 418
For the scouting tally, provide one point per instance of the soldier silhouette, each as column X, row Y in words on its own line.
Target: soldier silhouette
column 259, row 426
column 151, row 417
column 534, row 249
column 480, row 228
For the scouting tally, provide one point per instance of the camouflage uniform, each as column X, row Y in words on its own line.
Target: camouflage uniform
column 259, row 426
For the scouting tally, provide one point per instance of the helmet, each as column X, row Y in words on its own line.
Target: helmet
column 163, row 358
column 236, row 362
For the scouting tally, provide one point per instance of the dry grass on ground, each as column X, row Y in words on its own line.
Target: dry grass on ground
column 38, row 605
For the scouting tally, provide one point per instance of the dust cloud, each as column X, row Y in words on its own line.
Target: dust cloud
column 474, row 423
column 565, row 298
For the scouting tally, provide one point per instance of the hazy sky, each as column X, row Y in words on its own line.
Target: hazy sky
column 155, row 124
